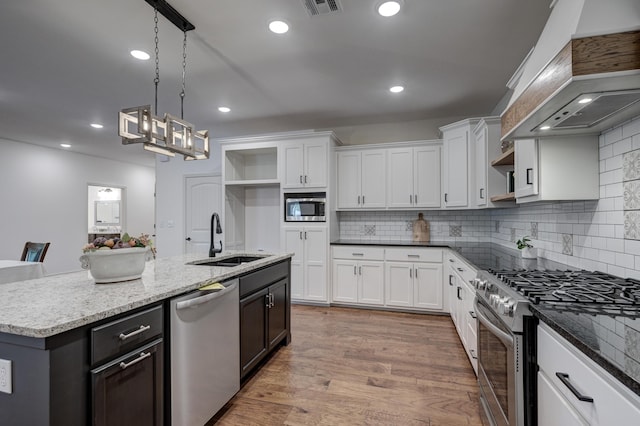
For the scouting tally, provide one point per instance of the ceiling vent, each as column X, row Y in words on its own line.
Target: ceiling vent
column 322, row 7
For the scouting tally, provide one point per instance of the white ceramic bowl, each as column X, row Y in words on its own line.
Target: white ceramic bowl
column 112, row 266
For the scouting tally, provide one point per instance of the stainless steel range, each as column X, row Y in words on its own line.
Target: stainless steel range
column 506, row 329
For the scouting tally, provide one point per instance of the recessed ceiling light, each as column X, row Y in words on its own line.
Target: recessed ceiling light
column 545, row 127
column 585, row 101
column 97, row 125
column 389, row 8
column 139, row 54
column 278, row 27
column 65, row 145
column 396, row 89
column 224, row 109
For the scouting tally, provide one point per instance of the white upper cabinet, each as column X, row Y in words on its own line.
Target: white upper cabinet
column 458, row 164
column 305, row 164
column 490, row 181
column 557, row 168
column 361, row 179
column 414, row 177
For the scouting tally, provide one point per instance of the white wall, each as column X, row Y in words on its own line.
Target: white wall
column 44, row 198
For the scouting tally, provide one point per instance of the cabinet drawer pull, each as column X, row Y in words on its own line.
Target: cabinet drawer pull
column 460, row 269
column 473, row 314
column 473, row 354
column 142, row 329
column 357, row 254
column 564, row 378
column 142, row 356
column 413, row 255
column 529, row 176
column 451, row 260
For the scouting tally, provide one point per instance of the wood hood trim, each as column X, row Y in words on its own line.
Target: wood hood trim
column 580, row 57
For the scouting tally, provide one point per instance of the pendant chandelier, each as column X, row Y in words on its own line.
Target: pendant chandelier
column 166, row 135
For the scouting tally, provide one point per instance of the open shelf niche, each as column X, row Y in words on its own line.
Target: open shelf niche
column 258, row 166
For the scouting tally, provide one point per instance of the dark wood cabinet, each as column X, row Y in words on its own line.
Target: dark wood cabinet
column 129, row 390
column 265, row 307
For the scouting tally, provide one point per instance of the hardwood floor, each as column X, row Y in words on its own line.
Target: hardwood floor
column 360, row 367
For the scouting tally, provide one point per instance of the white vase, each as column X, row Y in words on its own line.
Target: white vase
column 529, row 253
column 112, row 266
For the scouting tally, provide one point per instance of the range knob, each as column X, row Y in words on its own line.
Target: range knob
column 494, row 300
column 506, row 306
column 481, row 284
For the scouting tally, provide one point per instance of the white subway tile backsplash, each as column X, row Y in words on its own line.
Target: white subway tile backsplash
column 622, row 146
column 612, row 136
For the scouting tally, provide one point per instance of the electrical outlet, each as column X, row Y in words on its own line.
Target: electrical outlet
column 5, row 376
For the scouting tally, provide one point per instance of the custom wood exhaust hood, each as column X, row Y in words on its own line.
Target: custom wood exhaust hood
column 591, row 84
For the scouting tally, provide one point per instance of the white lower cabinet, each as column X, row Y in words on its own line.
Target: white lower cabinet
column 562, row 367
column 358, row 275
column 461, row 296
column 309, row 263
column 393, row 277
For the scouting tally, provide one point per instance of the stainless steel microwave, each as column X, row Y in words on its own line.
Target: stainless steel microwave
column 305, row 207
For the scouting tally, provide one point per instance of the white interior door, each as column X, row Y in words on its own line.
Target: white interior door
column 203, row 198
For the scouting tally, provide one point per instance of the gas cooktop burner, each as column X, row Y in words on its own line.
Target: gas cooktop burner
column 576, row 291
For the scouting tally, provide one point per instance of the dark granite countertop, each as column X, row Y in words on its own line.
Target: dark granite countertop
column 613, row 342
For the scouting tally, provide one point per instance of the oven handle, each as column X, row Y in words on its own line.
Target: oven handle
column 504, row 337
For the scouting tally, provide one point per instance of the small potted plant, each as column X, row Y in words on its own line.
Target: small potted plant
column 528, row 251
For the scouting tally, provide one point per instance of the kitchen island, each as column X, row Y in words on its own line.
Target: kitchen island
column 49, row 328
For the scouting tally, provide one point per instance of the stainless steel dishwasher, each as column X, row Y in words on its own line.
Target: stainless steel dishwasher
column 205, row 353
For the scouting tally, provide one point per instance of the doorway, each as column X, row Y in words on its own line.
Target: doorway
column 203, row 198
column 105, row 206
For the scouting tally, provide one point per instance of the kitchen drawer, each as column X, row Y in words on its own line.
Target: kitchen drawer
column 358, row 253
column 613, row 403
column 125, row 334
column 262, row 278
column 413, row 255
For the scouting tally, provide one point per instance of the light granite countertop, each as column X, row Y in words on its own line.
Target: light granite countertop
column 54, row 304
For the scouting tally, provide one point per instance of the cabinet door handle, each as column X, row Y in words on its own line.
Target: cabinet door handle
column 482, row 193
column 473, row 314
column 273, row 300
column 458, row 293
column 358, row 200
column 564, row 378
column 363, row 200
column 300, row 178
column 142, row 356
column 473, row 354
column 268, row 300
column 305, row 179
column 529, row 176
column 416, row 273
column 445, row 197
column 410, row 272
column 305, row 235
column 415, row 198
column 300, row 234
column 354, row 270
column 450, row 279
column 142, row 329
column 359, row 270
column 410, row 199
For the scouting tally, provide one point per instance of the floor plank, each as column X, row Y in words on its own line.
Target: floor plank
column 360, row 367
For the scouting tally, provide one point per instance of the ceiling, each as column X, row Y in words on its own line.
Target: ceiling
column 66, row 64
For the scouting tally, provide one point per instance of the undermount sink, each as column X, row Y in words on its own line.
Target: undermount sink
column 229, row 261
